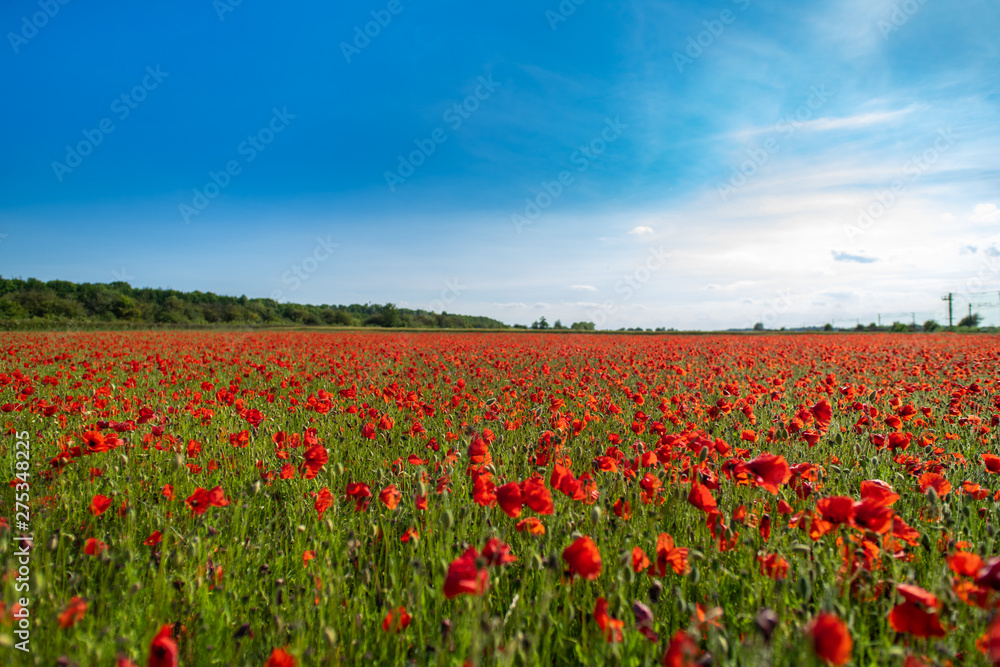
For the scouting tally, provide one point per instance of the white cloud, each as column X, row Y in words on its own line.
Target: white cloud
column 584, row 288
column 641, row 230
column 988, row 213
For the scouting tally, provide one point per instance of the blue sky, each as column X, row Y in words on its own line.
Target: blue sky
column 680, row 164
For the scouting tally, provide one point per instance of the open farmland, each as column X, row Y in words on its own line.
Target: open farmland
column 500, row 499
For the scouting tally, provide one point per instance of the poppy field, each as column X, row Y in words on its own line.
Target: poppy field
column 286, row 498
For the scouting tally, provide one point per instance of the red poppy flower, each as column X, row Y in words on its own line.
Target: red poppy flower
column 918, row 595
column 315, row 458
column 822, row 412
column 905, row 532
column 360, row 492
column 764, row 527
column 831, row 640
column 479, row 451
column 390, row 496
column 992, row 462
column 911, row 618
column 611, row 627
column 99, row 505
column 623, row 509
column 639, row 559
column 536, row 496
column 396, row 620
column 216, row 497
column 965, row 564
column 668, row 554
column 836, row 509
column 465, row 577
column 484, row 490
column 871, row 515
column 163, row 648
column 878, row 491
column 682, row 651
column 324, row 501
column 93, row 546
column 509, row 499
column 936, row 481
column 497, row 553
column 583, row 558
column 154, row 538
column 532, row 525
column 769, row 471
column 773, row 566
column 73, row 613
column 991, row 642
column 307, row 556
column 701, row 498
column 280, row 658
column 198, row 501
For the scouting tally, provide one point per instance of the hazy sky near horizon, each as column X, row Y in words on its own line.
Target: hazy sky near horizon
column 682, row 164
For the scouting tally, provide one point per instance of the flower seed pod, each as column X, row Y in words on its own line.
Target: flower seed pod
column 655, row 591
column 766, row 622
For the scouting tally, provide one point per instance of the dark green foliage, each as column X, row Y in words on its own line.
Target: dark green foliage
column 33, row 303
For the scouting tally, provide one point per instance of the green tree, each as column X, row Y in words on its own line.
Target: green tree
column 971, row 321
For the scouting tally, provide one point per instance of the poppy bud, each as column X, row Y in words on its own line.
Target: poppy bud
column 932, row 495
column 447, row 519
column 338, row 468
column 596, row 513
column 53, row 543
column 703, row 454
column 331, row 636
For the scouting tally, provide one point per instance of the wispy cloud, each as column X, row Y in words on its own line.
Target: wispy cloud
column 584, row 288
column 839, row 256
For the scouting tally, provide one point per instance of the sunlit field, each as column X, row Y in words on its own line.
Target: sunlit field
column 499, row 499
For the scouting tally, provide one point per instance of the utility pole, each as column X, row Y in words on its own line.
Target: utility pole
column 949, row 300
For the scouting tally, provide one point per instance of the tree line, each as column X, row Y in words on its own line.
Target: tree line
column 32, row 302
